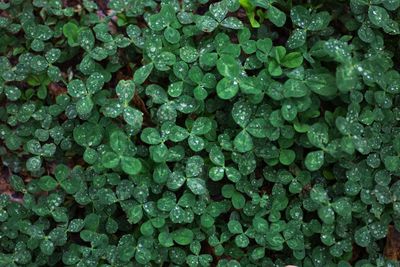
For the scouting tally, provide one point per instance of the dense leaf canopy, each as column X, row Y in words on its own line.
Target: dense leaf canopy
column 199, row 133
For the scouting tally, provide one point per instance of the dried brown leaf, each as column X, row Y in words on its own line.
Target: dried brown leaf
column 392, row 247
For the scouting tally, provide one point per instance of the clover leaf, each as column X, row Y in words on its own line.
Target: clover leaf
column 201, row 126
column 217, row 172
column 306, row 21
column 218, row 12
column 183, row 236
column 83, row 92
column 120, row 155
column 199, row 133
column 125, row 91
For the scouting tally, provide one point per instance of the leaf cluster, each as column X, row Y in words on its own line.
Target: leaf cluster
column 199, row 133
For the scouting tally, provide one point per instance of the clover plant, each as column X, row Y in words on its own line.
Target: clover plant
column 199, row 133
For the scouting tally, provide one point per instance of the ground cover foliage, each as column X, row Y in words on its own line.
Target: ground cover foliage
column 199, row 133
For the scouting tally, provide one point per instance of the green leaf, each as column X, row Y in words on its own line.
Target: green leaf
column 378, row 15
column 143, row 256
column 207, row 220
column 106, row 196
column 159, row 153
column 391, row 4
column 216, row 173
column 156, row 22
column 47, row 247
column 338, row 50
column 94, row 83
column 241, row 113
column 219, row 10
column 297, row 38
column 135, row 214
column 142, row 73
column 235, row 227
column 119, row 142
column 133, row 117
column 197, row 186
column 151, row 136
column 274, row 68
column 319, row 21
column 206, row 23
column 178, row 134
column 216, row 156
column 250, row 85
column 175, row 180
column 208, row 59
column 392, row 163
column 70, row 30
column 54, row 73
column 276, row 16
column 227, row 88
column 194, row 166
column 232, row 5
column 318, row 135
column 228, row 66
column 264, row 45
column 238, row 200
column 287, row 156
column 34, row 163
column 125, row 90
column 232, row 23
column 363, row 237
column 17, row 183
column 165, row 239
column 183, row 236
column 61, row 172
column 292, row 60
column 175, row 89
column 87, row 65
column 233, row 174
column 294, row 88
column 76, row 225
column 172, row 35
column 257, row 128
column 289, row 111
column 243, row 142
column 86, row 39
column 39, row 63
column 300, row 16
column 47, row 183
column 323, row 84
column 84, row 105
column 342, row 207
column 201, row 125
column 131, row 165
column 12, row 93
column 110, row 160
column 242, row 240
column 188, row 54
column 258, row 253
column 314, row 160
column 326, row 214
column 196, row 143
column 76, row 88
